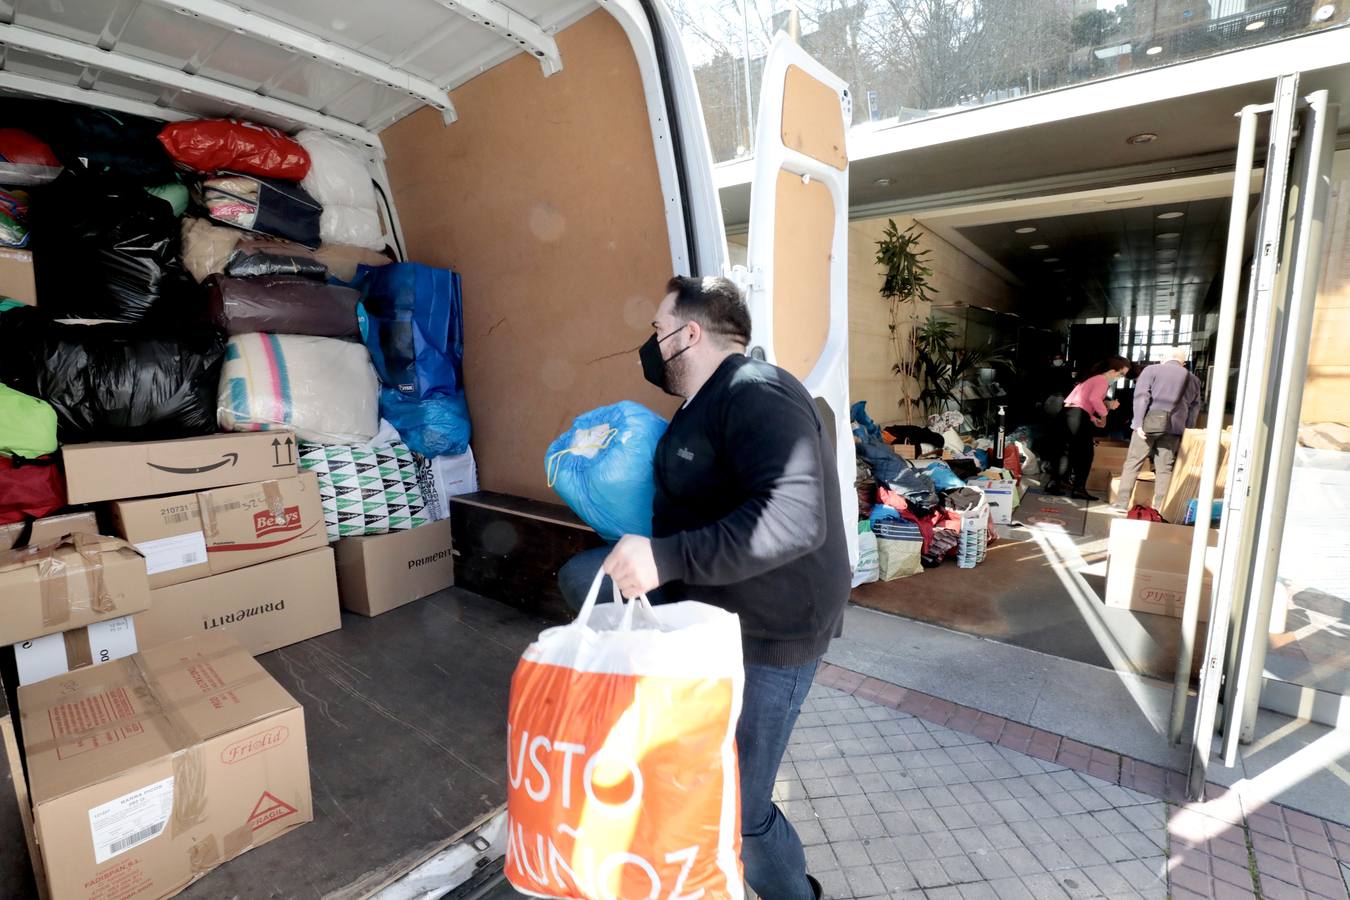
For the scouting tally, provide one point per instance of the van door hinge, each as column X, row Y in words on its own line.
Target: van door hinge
column 748, row 280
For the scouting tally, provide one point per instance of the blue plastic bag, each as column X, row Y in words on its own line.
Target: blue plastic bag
column 412, row 322
column 943, row 477
column 602, row 468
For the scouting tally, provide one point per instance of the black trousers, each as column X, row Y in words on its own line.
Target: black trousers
column 1074, row 460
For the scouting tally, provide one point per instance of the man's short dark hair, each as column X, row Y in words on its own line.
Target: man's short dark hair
column 715, row 303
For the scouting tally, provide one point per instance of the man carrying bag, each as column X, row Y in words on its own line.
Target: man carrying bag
column 747, row 518
column 1166, row 403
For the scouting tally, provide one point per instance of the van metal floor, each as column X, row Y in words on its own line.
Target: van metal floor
column 405, row 715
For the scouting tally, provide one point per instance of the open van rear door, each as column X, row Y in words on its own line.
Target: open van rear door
column 796, row 278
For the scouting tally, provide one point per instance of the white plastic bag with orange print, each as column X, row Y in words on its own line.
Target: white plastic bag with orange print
column 622, row 756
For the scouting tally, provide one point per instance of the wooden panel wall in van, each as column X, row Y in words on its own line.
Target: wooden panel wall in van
column 545, row 197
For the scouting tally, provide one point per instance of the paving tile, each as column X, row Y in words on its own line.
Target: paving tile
column 961, row 870
column 1310, row 840
column 864, row 881
column 883, row 850
column 1229, row 873
column 839, row 829
column 954, row 817
column 1044, row 886
column 1111, row 848
column 897, row 823
column 1021, row 860
column 850, row 854
column 978, row 891
column 1081, row 851
column 829, row 808
column 944, row 843
column 1274, row 867
column 928, row 873
column 820, row 858
column 1052, row 857
column 834, row 883
column 810, row 832
column 1108, row 880
column 1323, row 886
column 1031, row 833
column 1317, row 862
column 928, row 820
column 1077, row 884
column 1274, row 889
column 913, row 848
column 1011, row 889
column 1142, row 845
column 991, row 865
column 945, row 893
column 1142, row 876
column 1001, row 837
column 868, row 826
column 896, row 876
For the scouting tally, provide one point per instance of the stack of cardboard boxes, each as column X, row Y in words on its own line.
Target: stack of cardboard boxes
column 1108, row 461
column 231, row 530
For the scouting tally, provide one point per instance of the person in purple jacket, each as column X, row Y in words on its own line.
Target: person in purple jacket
column 1166, row 403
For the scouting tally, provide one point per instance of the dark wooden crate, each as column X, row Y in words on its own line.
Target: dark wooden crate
column 510, row 549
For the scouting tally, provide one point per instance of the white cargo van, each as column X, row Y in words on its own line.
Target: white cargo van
column 552, row 152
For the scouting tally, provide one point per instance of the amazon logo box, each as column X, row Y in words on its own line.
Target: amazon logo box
column 119, row 470
column 189, row 536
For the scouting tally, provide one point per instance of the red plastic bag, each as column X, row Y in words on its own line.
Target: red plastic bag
column 30, row 488
column 1145, row 514
column 214, row 145
column 25, row 160
column 1012, row 460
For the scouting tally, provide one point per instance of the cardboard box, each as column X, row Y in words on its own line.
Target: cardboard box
column 148, row 772
column 16, row 276
column 1142, row 495
column 47, row 529
column 117, row 470
column 1004, row 497
column 263, row 607
column 1147, row 565
column 379, row 572
column 905, row 451
column 92, row 645
column 190, row 536
column 48, row 590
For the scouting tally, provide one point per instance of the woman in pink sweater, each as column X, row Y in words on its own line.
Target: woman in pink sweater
column 1084, row 412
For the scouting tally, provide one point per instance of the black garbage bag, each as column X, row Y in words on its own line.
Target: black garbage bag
column 103, row 248
column 94, row 140
column 115, row 381
column 917, row 490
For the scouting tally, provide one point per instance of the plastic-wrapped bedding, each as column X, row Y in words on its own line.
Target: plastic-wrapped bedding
column 282, row 304
column 114, row 381
column 323, row 389
column 366, row 488
column 338, row 178
column 247, row 262
column 265, row 205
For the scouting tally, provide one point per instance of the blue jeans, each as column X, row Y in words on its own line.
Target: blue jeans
column 771, row 851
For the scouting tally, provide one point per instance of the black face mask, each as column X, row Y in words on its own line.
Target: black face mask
column 654, row 365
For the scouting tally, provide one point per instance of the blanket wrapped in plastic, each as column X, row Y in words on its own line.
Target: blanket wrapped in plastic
column 366, row 488
column 321, row 388
column 265, row 205
column 282, row 304
column 338, row 178
column 602, row 468
column 412, row 322
column 114, row 381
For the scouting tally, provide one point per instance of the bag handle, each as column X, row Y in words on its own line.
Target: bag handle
column 629, row 606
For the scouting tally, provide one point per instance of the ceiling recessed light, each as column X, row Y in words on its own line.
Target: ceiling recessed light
column 1171, row 215
column 1256, row 26
column 1061, row 270
column 1025, row 229
column 1324, row 12
column 1169, row 235
column 1051, row 259
column 1116, row 255
column 883, row 182
column 1154, row 50
column 1040, row 246
column 1143, row 137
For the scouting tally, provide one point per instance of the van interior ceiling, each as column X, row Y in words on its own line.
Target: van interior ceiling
column 535, row 149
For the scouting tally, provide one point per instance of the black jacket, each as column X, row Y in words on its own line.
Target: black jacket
column 747, row 515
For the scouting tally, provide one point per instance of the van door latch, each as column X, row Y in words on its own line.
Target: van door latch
column 748, row 280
